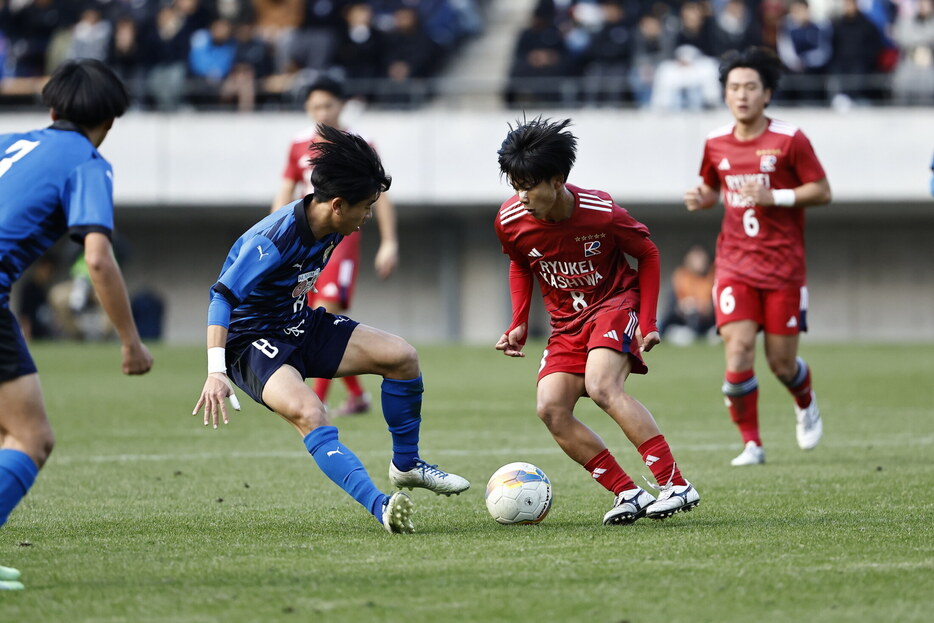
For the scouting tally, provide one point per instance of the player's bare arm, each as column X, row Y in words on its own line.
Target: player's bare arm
column 807, row 195
column 512, row 341
column 283, row 195
column 701, row 197
column 218, row 386
column 387, row 256
column 111, row 291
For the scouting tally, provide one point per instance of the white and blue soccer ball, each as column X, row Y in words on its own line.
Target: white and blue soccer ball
column 518, row 493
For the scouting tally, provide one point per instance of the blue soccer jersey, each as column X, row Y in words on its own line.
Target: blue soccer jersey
column 267, row 275
column 51, row 181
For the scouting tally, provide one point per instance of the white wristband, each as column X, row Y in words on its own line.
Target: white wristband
column 784, row 197
column 217, row 360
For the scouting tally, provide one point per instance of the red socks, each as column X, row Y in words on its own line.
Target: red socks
column 741, row 390
column 606, row 471
column 800, row 386
column 658, row 458
column 321, row 388
column 353, row 387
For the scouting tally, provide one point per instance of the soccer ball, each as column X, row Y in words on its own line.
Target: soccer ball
column 518, row 493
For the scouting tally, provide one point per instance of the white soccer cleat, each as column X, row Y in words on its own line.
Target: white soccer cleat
column 630, row 505
column 397, row 514
column 9, row 574
column 671, row 499
column 428, row 477
column 809, row 428
column 752, row 454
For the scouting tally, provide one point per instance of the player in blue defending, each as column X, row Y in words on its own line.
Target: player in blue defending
column 54, row 181
column 264, row 336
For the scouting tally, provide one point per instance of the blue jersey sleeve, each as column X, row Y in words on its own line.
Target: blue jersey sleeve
column 88, row 199
column 256, row 258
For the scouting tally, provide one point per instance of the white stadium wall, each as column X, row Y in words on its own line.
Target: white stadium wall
column 187, row 185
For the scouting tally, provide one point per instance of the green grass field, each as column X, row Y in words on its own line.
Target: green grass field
column 144, row 515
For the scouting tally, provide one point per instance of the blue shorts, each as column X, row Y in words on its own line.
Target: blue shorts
column 15, row 360
column 317, row 353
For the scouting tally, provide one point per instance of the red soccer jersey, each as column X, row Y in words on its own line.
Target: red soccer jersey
column 760, row 246
column 580, row 263
column 298, row 166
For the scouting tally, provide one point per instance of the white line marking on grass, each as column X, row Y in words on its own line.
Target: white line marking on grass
column 291, row 454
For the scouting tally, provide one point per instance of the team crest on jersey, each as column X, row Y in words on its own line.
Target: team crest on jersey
column 767, row 163
column 592, row 248
column 306, row 282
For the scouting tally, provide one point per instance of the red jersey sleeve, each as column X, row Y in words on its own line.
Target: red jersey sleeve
column 633, row 239
column 520, row 288
column 292, row 169
column 804, row 160
column 708, row 169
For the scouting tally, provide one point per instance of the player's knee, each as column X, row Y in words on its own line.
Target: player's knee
column 783, row 369
column 405, row 360
column 309, row 417
column 552, row 416
column 601, row 391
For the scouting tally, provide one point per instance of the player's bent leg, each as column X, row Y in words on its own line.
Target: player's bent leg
column 287, row 394
column 556, row 397
column 372, row 351
column 27, row 442
column 24, row 425
column 781, row 353
column 604, row 381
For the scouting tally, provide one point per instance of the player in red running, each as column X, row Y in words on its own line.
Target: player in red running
column 767, row 174
column 324, row 102
column 573, row 242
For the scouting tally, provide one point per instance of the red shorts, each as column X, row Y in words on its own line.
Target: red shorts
column 339, row 277
column 779, row 312
column 614, row 329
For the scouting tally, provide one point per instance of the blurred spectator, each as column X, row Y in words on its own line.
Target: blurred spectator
column 914, row 33
column 735, row 28
column 690, row 312
column 857, row 44
column 690, row 81
column 31, row 27
column 276, row 22
column 805, row 49
column 652, row 44
column 164, row 46
column 211, row 58
column 410, row 54
column 360, row 48
column 90, row 37
column 540, row 57
column 607, row 74
column 125, row 56
column 252, row 64
column 771, row 13
column 34, row 312
column 697, row 29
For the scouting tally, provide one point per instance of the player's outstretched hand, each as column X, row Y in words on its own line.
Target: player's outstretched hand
column 136, row 358
column 387, row 258
column 213, row 397
column 511, row 343
column 693, row 198
column 648, row 342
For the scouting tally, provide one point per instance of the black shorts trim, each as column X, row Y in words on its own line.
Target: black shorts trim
column 15, row 360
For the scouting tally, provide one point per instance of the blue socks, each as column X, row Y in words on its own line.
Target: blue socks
column 343, row 467
column 402, row 408
column 17, row 473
